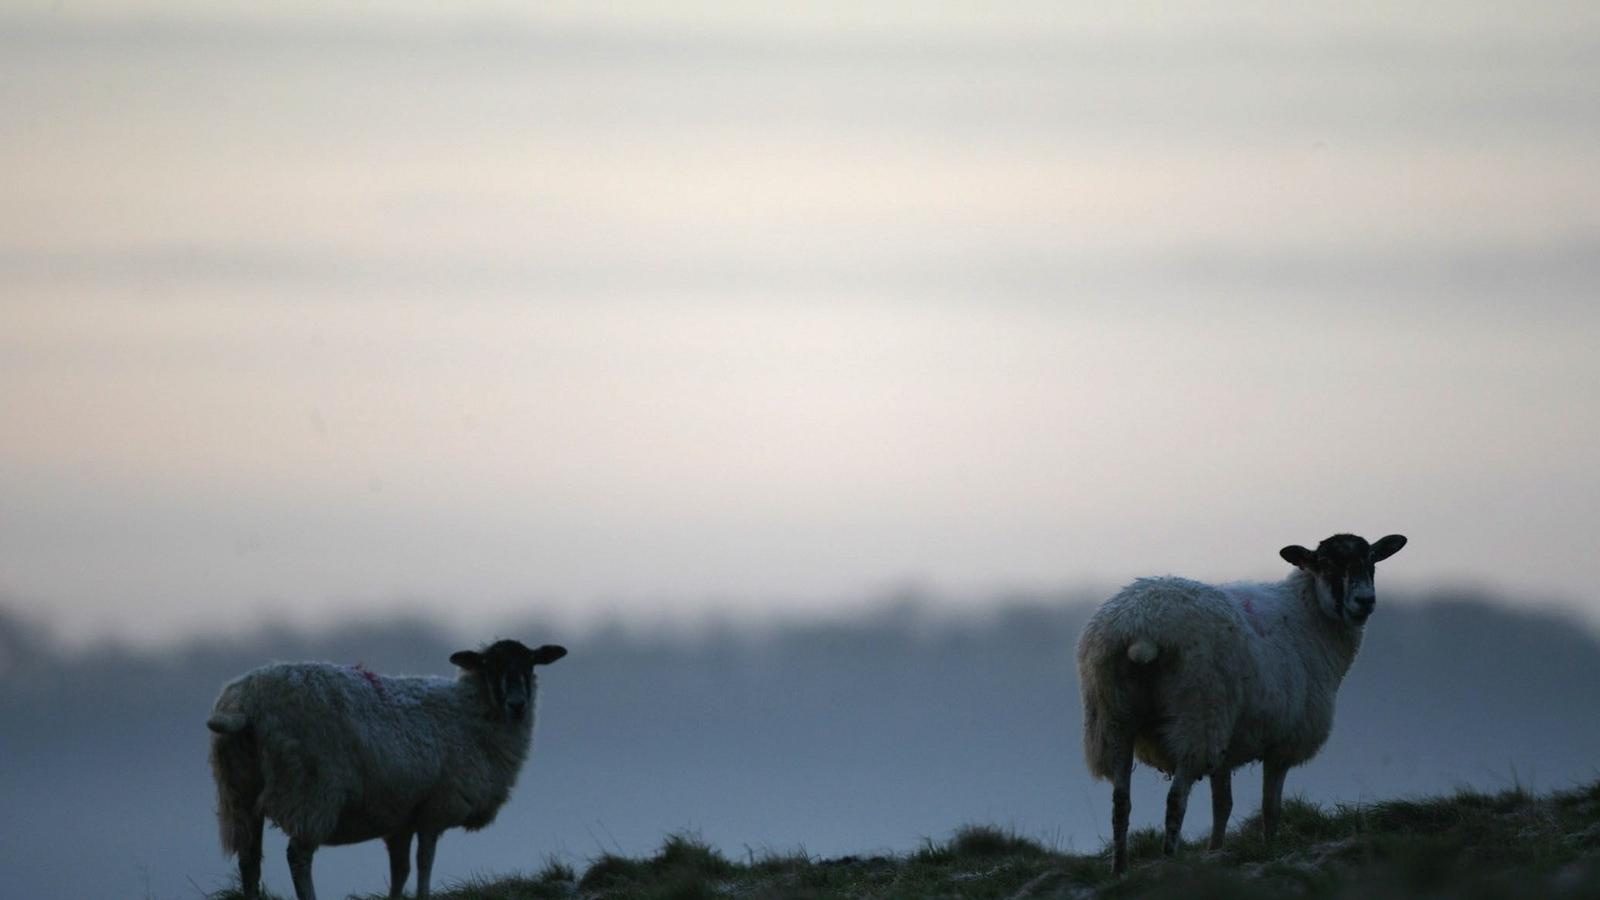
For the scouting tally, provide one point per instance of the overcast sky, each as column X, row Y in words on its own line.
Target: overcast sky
column 672, row 308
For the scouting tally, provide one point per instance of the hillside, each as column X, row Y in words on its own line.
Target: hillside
column 1511, row 844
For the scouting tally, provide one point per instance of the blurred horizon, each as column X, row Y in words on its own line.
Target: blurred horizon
column 855, row 737
column 708, row 619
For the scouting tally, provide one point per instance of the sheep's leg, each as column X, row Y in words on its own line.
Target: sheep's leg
column 1221, row 805
column 1177, row 804
column 300, row 869
column 426, row 840
column 1121, row 806
column 250, row 860
column 1272, row 798
column 399, row 845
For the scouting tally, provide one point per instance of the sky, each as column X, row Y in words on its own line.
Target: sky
column 666, row 311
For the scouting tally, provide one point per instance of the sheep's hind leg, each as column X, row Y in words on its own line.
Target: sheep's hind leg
column 399, row 845
column 300, row 869
column 1221, row 805
column 426, row 841
column 1177, row 804
column 250, row 859
column 1121, row 806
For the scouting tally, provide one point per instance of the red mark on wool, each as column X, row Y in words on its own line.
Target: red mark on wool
column 1250, row 613
column 371, row 677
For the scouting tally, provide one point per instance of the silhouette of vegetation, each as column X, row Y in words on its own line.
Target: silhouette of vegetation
column 1509, row 844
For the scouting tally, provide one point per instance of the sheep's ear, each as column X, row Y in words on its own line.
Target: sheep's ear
column 548, row 654
column 1387, row 547
column 471, row 660
column 1297, row 556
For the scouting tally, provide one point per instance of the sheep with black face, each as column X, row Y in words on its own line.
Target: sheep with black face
column 338, row 755
column 1197, row 679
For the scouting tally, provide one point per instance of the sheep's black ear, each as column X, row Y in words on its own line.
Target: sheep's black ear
column 1296, row 555
column 1387, row 547
column 548, row 654
column 471, row 660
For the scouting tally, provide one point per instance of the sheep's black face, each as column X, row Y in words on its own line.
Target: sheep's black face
column 1342, row 567
column 506, row 668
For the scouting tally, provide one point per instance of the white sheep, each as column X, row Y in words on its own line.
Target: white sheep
column 338, row 755
column 1197, row 680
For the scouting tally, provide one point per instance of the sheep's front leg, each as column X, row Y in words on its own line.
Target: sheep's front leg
column 1272, row 798
column 1177, row 804
column 399, row 845
column 426, row 841
column 300, row 869
column 1221, row 805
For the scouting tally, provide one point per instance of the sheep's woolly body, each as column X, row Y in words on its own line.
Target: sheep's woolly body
column 1201, row 677
column 340, row 755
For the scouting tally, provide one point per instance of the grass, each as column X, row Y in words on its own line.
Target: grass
column 1473, row 845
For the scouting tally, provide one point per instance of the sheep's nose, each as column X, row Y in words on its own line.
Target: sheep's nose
column 517, row 709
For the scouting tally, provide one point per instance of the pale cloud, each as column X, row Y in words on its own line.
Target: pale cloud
column 317, row 310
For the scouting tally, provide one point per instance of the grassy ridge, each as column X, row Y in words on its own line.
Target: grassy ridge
column 1511, row 844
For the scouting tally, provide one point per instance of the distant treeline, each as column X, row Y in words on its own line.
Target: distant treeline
column 842, row 736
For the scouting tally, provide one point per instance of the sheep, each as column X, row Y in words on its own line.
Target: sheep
column 339, row 755
column 1197, row 680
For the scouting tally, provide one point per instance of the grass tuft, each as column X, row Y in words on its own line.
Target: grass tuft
column 977, row 843
column 684, row 868
column 610, row 870
column 557, row 872
column 689, row 854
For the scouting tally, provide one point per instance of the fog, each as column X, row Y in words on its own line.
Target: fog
column 865, row 734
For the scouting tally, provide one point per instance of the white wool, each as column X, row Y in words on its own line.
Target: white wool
column 337, row 755
column 346, row 756
column 1248, row 672
column 1198, row 679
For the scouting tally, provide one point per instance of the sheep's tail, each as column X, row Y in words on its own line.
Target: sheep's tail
column 236, row 769
column 1114, row 682
column 1142, row 651
column 228, row 722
